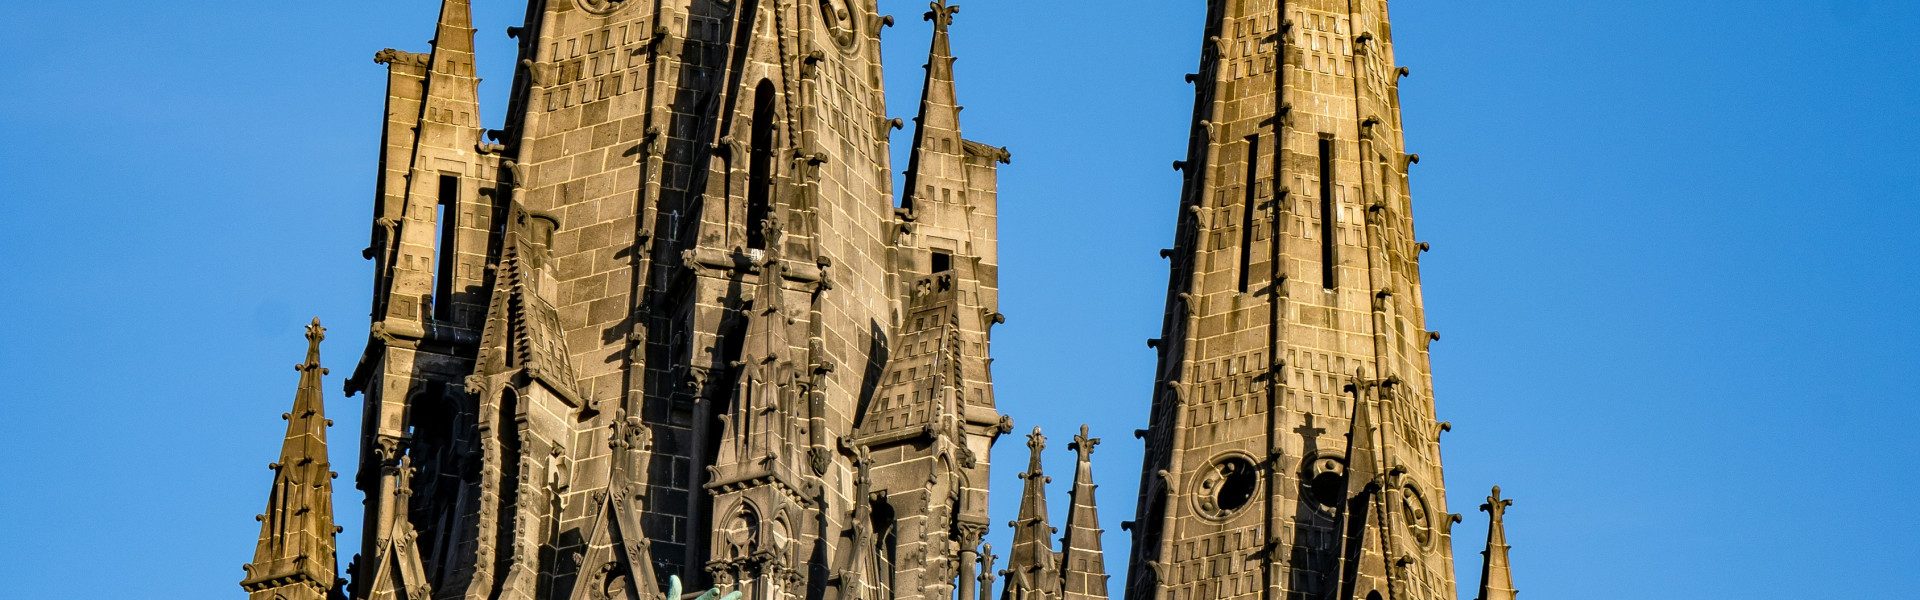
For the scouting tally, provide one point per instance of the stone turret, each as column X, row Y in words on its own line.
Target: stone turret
column 932, row 424
column 295, row 559
column 438, row 204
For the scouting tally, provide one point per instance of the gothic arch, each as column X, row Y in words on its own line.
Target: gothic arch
column 762, row 139
column 739, row 533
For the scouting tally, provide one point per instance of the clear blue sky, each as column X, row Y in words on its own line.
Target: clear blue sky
column 1674, row 260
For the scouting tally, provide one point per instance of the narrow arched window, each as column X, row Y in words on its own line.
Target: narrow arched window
column 886, row 540
column 446, row 224
column 760, row 167
column 1247, row 208
column 1329, row 218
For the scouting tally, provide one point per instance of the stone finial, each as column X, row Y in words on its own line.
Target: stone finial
column 1083, row 445
column 1496, row 505
column 941, row 13
column 1036, row 442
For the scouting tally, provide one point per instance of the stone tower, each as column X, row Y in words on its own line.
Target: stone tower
column 670, row 323
column 1292, row 450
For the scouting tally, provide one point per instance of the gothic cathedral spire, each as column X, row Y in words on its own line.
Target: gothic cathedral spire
column 669, row 324
column 295, row 558
column 1294, row 272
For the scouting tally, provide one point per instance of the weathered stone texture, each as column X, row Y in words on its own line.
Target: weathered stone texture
column 1293, row 450
column 670, row 324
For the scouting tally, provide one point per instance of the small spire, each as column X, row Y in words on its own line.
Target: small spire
column 454, row 96
column 987, row 558
column 772, row 270
column 1083, row 568
column 1032, row 567
column 1496, row 574
column 295, row 557
column 855, row 573
column 453, row 34
column 937, row 160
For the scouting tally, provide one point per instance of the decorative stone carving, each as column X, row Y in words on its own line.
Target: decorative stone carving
column 1416, row 515
column 601, row 7
column 840, row 23
column 740, row 533
column 1226, row 486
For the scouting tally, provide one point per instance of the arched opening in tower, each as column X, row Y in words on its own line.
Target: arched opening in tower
column 760, row 166
column 886, row 539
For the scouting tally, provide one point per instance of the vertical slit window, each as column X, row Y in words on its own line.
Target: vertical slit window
column 886, row 541
column 760, row 168
column 1246, row 210
column 448, row 232
column 1328, row 217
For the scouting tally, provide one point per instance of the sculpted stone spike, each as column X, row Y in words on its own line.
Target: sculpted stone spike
column 294, row 558
column 1083, row 562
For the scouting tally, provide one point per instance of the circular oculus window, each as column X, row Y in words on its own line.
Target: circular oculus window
column 1419, row 519
column 1226, row 487
column 600, row 7
column 1325, row 482
column 840, row 22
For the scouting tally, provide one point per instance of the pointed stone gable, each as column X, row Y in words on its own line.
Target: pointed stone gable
column 523, row 330
column 922, row 372
column 1365, row 548
column 454, row 84
column 617, row 563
